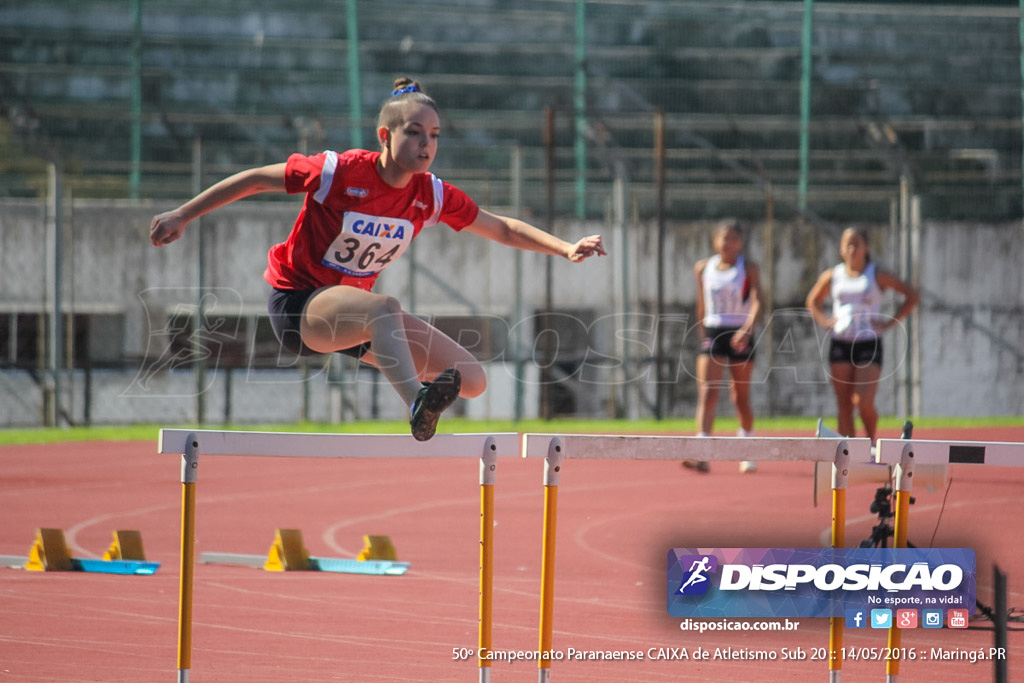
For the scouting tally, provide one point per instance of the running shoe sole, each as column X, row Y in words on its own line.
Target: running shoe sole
column 433, row 400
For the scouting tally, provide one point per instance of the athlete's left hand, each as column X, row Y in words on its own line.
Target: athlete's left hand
column 740, row 340
column 587, row 247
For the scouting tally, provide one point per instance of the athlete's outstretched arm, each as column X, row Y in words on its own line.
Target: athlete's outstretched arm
column 168, row 226
column 513, row 232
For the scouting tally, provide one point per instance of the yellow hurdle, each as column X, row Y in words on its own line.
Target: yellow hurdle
column 840, row 451
column 552, row 470
column 488, row 467
column 836, row 624
column 904, row 473
column 284, row 553
column 189, row 467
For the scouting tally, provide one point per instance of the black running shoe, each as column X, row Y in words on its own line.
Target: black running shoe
column 433, row 399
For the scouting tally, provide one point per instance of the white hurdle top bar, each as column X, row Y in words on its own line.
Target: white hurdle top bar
column 1006, row 454
column 631, row 447
column 319, row 445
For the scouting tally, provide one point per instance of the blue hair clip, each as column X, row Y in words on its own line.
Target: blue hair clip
column 408, row 88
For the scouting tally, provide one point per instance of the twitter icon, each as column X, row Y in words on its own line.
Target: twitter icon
column 881, row 618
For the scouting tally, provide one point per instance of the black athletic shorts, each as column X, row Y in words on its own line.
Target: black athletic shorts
column 716, row 343
column 285, row 307
column 859, row 353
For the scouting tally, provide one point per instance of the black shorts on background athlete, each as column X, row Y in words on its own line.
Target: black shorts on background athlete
column 717, row 344
column 859, row 353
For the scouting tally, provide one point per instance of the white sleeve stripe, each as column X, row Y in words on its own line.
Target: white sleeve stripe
column 438, row 201
column 326, row 176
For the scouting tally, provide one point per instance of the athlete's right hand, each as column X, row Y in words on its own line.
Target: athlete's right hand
column 166, row 228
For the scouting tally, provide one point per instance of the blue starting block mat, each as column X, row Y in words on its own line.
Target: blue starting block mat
column 377, row 567
column 114, row 566
column 89, row 565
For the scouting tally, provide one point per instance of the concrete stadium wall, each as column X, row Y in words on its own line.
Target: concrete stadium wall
column 971, row 322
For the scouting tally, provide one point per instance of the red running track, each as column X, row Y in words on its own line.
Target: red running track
column 617, row 519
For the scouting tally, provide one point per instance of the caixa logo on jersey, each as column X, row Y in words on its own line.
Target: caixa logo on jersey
column 816, row 582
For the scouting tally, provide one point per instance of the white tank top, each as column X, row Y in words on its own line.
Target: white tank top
column 726, row 293
column 856, row 303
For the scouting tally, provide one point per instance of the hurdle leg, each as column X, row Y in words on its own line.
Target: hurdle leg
column 552, row 469
column 1001, row 672
column 840, row 475
column 488, row 465
column 904, row 481
column 189, row 467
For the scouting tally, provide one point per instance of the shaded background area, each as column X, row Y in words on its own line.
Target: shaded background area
column 121, row 92
column 644, row 121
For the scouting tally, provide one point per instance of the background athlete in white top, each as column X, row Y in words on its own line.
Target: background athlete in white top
column 856, row 324
column 728, row 307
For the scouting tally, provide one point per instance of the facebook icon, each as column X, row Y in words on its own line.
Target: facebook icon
column 856, row 618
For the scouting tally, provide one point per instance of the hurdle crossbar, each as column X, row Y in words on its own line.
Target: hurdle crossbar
column 710, row 448
column 839, row 451
column 319, row 445
column 931, row 452
column 189, row 443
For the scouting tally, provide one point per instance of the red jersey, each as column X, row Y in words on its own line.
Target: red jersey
column 353, row 224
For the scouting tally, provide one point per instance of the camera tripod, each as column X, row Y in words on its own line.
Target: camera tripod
column 881, row 532
column 882, row 506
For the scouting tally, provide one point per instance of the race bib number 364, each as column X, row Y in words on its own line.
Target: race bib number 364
column 367, row 244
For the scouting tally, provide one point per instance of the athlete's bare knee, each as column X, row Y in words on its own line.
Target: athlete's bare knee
column 387, row 310
column 389, row 305
column 867, row 411
column 707, row 393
